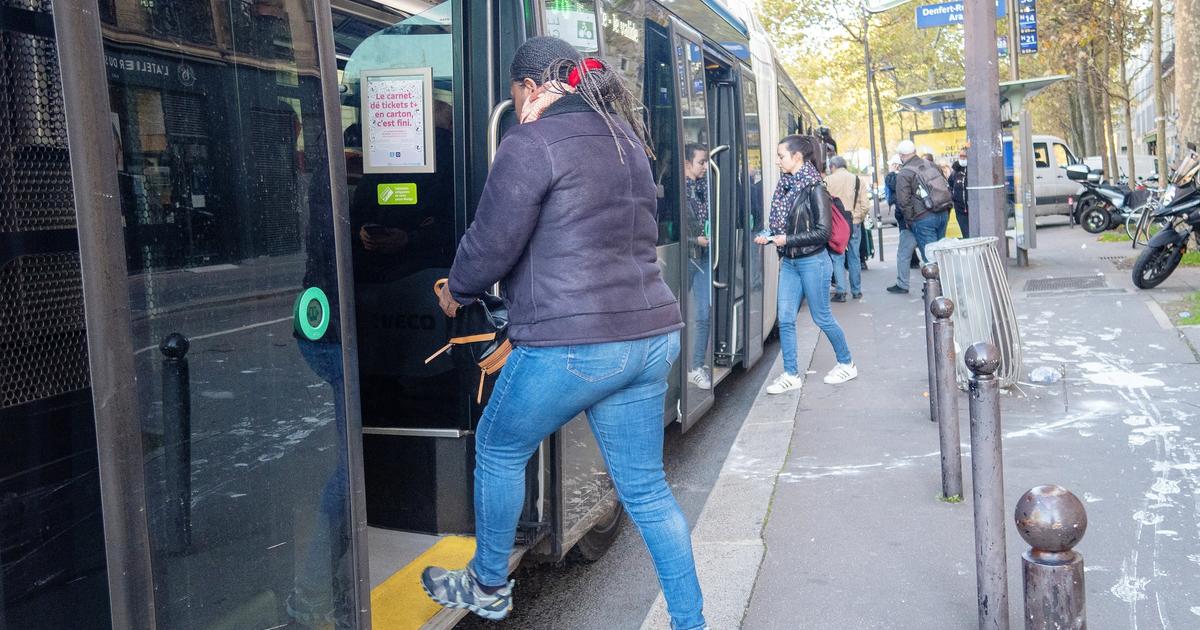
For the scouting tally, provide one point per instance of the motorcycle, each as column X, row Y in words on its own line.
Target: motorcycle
column 1180, row 213
column 1098, row 206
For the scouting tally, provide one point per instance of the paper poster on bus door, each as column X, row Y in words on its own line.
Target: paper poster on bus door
column 397, row 111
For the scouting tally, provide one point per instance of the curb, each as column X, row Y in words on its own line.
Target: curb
column 727, row 539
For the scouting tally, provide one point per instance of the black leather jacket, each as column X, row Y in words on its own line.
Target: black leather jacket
column 811, row 224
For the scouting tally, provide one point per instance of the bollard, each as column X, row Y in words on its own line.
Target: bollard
column 1052, row 521
column 931, row 291
column 177, row 441
column 946, row 392
column 987, row 479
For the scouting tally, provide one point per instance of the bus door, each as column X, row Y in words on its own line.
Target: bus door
column 752, row 219
column 701, row 181
column 423, row 104
column 726, row 162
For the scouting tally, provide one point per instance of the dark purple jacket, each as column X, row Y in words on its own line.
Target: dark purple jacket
column 571, row 231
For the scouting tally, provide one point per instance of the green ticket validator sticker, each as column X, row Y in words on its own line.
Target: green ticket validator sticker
column 312, row 314
column 396, row 194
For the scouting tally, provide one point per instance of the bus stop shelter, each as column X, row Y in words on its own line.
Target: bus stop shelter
column 1019, row 173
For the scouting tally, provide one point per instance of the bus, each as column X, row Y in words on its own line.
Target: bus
column 223, row 220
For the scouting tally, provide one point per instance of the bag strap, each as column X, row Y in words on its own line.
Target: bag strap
column 857, row 185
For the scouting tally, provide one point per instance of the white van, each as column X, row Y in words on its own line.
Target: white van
column 1144, row 165
column 1051, row 188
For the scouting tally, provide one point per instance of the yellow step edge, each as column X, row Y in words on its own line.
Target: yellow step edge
column 400, row 603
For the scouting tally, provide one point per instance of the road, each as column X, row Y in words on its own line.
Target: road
column 618, row 590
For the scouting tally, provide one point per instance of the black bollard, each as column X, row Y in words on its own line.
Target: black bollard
column 931, row 290
column 177, row 441
column 987, row 479
column 1052, row 521
column 946, row 398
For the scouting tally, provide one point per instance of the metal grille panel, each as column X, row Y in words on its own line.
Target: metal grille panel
column 1069, row 283
column 43, row 341
column 35, row 170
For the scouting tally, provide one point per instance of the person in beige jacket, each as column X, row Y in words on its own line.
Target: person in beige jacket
column 854, row 194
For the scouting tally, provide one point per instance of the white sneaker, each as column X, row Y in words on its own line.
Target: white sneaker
column 785, row 383
column 841, row 373
column 700, row 378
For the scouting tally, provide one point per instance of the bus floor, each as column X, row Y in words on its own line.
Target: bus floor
column 396, row 560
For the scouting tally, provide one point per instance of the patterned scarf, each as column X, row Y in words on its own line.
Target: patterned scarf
column 789, row 187
column 697, row 198
column 542, row 98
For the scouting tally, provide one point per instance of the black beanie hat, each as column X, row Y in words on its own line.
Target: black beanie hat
column 536, row 56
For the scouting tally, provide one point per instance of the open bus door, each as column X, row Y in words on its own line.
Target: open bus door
column 419, row 419
column 702, row 178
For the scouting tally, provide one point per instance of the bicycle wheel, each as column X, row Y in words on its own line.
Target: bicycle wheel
column 1133, row 224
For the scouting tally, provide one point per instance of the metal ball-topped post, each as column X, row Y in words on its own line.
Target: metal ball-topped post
column 1052, row 520
column 177, row 440
column 931, row 290
column 944, row 394
column 987, row 480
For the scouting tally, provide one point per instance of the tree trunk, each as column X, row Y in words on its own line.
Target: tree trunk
column 1159, row 96
column 1187, row 55
column 1110, row 134
column 1127, row 98
column 1083, row 90
column 1076, row 133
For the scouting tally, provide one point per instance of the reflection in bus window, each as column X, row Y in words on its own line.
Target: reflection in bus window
column 573, row 21
column 689, row 62
column 623, row 46
column 661, row 105
column 403, row 244
column 224, row 174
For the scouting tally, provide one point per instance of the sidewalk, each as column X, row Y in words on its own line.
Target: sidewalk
column 855, row 537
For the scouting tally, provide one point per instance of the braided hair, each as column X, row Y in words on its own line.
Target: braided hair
column 549, row 59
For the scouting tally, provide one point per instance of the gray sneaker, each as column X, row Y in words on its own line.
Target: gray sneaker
column 458, row 589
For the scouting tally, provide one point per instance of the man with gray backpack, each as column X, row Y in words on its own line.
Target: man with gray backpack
column 923, row 195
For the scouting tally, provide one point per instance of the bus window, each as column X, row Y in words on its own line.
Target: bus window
column 403, row 230
column 623, row 41
column 573, row 21
column 661, row 106
column 754, row 150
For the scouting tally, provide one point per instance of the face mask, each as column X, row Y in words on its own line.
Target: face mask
column 962, row 163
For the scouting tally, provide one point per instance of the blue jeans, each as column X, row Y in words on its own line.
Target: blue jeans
column 800, row 278
column 852, row 259
column 930, row 228
column 701, row 290
column 904, row 252
column 621, row 386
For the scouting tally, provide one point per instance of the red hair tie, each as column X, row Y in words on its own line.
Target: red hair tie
column 589, row 64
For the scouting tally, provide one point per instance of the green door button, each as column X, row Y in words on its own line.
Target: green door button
column 312, row 314
column 396, row 194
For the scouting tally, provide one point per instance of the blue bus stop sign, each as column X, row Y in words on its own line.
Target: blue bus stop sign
column 948, row 13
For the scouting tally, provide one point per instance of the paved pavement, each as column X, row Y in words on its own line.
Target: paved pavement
column 843, row 528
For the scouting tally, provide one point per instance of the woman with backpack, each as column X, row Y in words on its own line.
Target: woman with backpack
column 801, row 226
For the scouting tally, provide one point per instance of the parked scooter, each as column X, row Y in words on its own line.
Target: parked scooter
column 1100, row 206
column 1180, row 211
